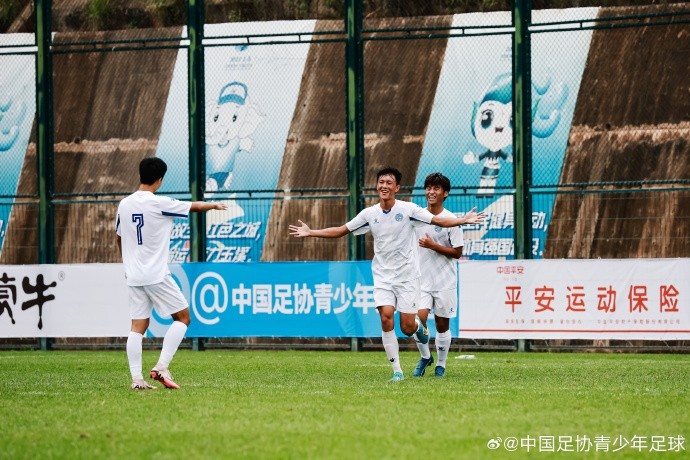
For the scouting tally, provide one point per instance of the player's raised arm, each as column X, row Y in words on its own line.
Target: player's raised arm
column 302, row 230
column 472, row 217
column 202, row 206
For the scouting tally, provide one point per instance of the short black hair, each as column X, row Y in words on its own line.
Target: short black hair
column 151, row 169
column 437, row 179
column 389, row 171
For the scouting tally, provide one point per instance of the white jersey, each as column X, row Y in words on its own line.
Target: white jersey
column 144, row 222
column 395, row 242
column 440, row 272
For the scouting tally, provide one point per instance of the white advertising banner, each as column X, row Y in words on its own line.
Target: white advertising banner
column 87, row 300
column 575, row 299
column 519, row 299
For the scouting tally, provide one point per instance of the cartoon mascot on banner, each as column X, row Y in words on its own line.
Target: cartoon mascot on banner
column 228, row 132
column 229, row 129
column 492, row 124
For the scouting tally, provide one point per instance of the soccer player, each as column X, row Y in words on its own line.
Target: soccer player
column 438, row 250
column 395, row 267
column 143, row 226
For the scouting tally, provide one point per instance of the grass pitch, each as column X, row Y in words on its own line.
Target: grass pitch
column 339, row 405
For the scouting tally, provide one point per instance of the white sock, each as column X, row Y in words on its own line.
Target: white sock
column 443, row 340
column 171, row 343
column 423, row 348
column 390, row 344
column 134, row 354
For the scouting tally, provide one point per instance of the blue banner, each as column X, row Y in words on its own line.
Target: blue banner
column 470, row 133
column 279, row 299
column 251, row 94
column 17, row 110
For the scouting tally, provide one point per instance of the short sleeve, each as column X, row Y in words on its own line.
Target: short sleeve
column 174, row 208
column 456, row 237
column 359, row 225
column 420, row 216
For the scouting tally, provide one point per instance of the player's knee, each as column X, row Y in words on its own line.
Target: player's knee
column 408, row 327
column 387, row 315
column 183, row 317
column 387, row 323
column 407, row 330
column 442, row 324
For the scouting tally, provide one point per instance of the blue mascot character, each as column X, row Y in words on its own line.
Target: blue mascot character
column 492, row 124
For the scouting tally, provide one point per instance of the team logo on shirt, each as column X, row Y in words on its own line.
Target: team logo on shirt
column 437, row 229
column 398, row 217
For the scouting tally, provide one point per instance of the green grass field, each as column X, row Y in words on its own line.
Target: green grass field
column 339, row 405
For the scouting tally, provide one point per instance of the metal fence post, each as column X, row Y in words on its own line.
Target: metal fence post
column 44, row 140
column 44, row 133
column 522, row 134
column 197, row 152
column 354, row 80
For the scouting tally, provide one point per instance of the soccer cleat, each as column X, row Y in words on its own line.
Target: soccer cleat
column 141, row 385
column 440, row 371
column 422, row 365
column 397, row 376
column 164, row 377
column 422, row 333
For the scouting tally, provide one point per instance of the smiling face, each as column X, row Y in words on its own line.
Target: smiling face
column 224, row 122
column 493, row 125
column 387, row 186
column 435, row 195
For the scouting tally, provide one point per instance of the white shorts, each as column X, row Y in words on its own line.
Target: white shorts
column 404, row 297
column 165, row 296
column 443, row 303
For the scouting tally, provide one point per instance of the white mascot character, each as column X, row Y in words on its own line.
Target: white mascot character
column 228, row 129
column 229, row 126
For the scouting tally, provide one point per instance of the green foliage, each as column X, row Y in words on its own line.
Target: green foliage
column 299, row 404
column 100, row 13
column 303, row 7
column 234, row 16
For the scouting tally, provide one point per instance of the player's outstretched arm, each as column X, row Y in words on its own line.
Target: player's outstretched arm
column 203, row 206
column 303, row 230
column 472, row 217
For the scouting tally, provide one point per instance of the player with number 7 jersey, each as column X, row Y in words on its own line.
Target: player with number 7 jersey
column 144, row 222
column 143, row 227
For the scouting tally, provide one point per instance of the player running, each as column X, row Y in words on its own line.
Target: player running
column 439, row 248
column 395, row 266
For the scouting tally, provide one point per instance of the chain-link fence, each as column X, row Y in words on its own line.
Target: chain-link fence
column 287, row 110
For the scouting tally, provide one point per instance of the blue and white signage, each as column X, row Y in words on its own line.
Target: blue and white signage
column 470, row 133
